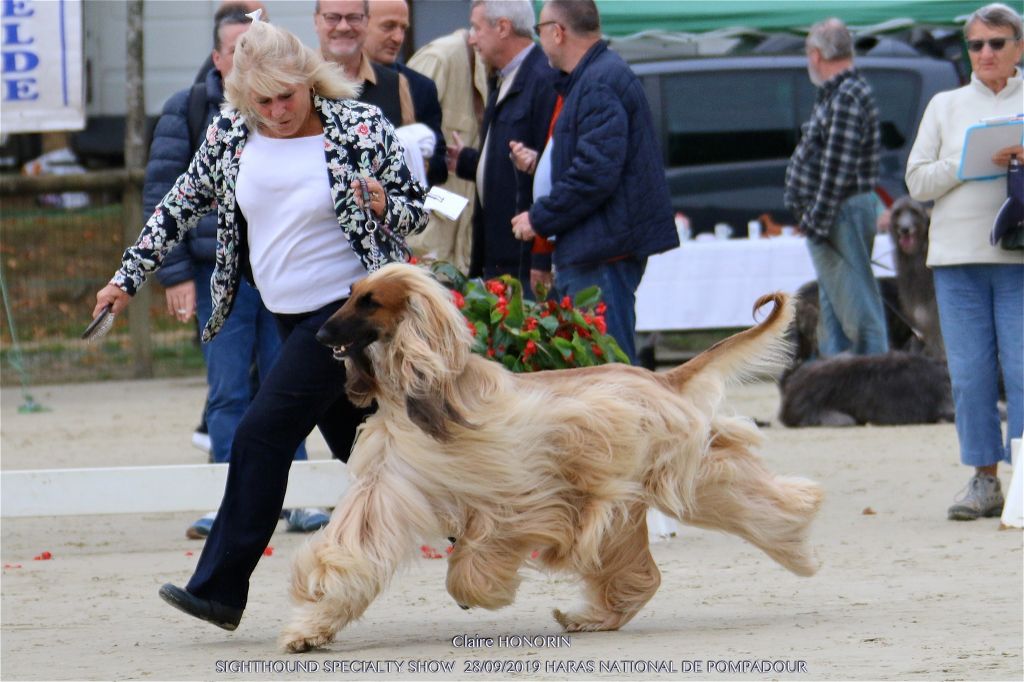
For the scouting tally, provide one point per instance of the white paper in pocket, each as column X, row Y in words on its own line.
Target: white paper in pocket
column 448, row 204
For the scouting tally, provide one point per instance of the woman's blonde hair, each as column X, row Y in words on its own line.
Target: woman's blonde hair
column 267, row 57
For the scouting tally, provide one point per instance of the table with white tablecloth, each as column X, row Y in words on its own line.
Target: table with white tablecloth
column 713, row 284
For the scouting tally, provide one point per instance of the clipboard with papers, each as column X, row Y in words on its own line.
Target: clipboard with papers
column 983, row 140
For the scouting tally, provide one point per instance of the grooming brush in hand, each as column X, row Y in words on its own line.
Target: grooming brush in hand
column 100, row 325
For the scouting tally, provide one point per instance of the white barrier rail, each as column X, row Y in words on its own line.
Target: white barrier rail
column 149, row 489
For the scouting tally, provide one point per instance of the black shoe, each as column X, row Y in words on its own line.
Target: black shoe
column 222, row 616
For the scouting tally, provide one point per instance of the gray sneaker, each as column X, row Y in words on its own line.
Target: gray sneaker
column 201, row 528
column 306, row 520
column 983, row 497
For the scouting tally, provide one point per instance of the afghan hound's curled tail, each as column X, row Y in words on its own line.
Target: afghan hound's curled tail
column 755, row 352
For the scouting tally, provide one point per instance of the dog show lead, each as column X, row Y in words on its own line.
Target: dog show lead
column 281, row 166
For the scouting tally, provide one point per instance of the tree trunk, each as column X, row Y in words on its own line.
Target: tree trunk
column 135, row 161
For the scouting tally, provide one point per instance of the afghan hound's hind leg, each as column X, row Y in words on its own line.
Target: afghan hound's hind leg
column 735, row 493
column 341, row 570
column 627, row 579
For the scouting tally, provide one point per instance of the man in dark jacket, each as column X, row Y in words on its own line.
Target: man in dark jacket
column 519, row 108
column 386, row 29
column 609, row 206
column 250, row 331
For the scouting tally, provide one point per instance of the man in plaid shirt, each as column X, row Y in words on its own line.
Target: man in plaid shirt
column 830, row 184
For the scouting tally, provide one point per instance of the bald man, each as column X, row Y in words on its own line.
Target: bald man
column 385, row 34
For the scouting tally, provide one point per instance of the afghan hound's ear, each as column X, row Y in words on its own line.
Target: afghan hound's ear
column 435, row 417
column 360, row 382
column 433, row 347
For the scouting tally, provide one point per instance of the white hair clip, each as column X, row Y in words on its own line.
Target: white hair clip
column 255, row 15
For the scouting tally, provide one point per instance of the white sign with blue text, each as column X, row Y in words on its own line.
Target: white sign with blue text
column 41, row 44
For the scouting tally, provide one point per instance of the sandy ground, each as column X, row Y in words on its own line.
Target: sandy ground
column 903, row 594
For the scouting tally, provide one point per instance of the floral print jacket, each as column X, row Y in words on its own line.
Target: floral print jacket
column 358, row 141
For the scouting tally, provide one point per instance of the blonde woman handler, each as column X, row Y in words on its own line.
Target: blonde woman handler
column 280, row 167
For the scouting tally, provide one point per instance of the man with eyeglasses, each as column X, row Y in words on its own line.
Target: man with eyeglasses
column 341, row 27
column 608, row 207
column 386, row 29
column 520, row 102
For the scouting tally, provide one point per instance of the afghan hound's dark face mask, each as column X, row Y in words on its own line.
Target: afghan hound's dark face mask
column 367, row 316
column 349, row 334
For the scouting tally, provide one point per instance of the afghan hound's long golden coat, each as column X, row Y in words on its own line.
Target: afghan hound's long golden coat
column 566, row 462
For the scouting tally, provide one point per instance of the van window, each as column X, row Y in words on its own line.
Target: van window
column 896, row 94
column 729, row 116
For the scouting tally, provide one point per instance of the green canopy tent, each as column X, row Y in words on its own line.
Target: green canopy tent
column 624, row 17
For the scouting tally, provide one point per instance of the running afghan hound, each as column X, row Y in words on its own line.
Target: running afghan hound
column 565, row 462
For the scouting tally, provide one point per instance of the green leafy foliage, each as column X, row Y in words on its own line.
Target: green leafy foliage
column 525, row 335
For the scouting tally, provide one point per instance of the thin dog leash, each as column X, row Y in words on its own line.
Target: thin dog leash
column 373, row 226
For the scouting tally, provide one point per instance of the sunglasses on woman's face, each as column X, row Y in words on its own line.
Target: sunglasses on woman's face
column 995, row 43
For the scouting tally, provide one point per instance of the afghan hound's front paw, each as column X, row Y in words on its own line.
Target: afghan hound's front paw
column 295, row 641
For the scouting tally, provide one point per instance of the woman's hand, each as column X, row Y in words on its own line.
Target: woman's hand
column 1002, row 157
column 181, row 300
column 523, row 158
column 115, row 296
column 378, row 197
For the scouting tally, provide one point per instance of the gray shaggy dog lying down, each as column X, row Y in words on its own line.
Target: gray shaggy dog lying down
column 895, row 388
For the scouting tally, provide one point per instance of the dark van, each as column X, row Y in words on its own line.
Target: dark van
column 729, row 124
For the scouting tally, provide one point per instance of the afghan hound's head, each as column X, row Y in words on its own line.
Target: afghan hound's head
column 400, row 332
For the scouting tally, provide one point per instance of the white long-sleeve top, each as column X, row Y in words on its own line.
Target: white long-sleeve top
column 964, row 210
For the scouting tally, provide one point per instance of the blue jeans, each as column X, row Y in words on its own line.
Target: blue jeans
column 305, row 388
column 981, row 311
column 852, row 316
column 249, row 333
column 618, row 281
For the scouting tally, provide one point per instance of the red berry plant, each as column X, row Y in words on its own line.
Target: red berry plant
column 525, row 335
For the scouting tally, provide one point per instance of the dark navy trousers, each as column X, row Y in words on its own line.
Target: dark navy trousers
column 305, row 388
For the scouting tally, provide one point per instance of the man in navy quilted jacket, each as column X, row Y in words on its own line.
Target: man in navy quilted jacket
column 250, row 331
column 609, row 206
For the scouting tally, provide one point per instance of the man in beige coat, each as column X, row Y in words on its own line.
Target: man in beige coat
column 461, row 80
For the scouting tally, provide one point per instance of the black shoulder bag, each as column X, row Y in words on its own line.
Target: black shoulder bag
column 1008, row 229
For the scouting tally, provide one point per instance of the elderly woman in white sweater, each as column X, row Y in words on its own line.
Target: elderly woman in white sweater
column 979, row 287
